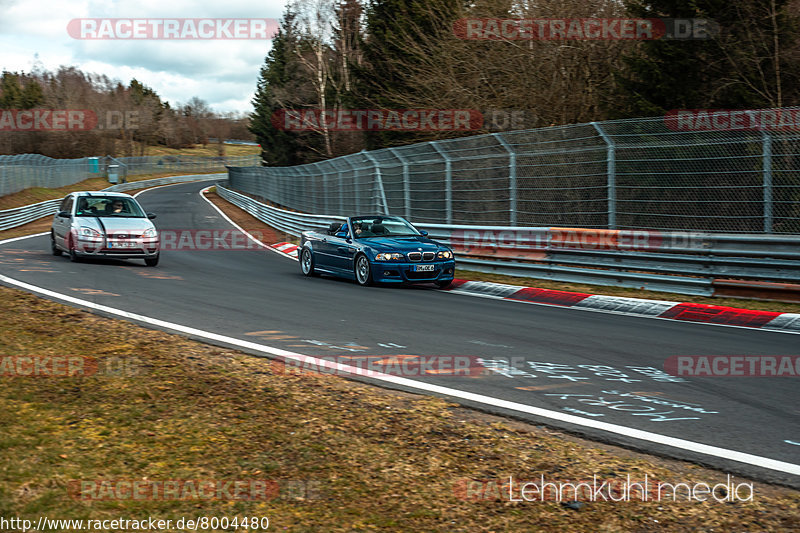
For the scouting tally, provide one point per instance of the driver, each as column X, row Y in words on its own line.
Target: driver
column 116, row 206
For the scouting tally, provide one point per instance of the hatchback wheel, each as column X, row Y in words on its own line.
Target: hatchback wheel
column 73, row 254
column 53, row 248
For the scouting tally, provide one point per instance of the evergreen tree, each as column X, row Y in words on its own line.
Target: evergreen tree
column 390, row 58
column 274, row 94
column 10, row 91
column 738, row 68
column 32, row 95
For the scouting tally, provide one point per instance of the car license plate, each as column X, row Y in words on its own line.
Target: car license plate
column 121, row 244
column 423, row 268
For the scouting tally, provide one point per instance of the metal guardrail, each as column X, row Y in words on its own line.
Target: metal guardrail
column 18, row 216
column 155, row 182
column 680, row 262
column 286, row 221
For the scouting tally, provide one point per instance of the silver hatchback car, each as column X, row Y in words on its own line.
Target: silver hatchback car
column 104, row 224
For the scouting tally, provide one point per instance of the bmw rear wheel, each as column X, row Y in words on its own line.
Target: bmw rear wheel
column 307, row 262
column 363, row 271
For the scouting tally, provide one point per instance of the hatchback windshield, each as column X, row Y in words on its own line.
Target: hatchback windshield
column 108, row 206
column 382, row 227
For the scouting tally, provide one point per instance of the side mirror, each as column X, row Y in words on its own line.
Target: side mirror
column 423, row 233
column 64, row 214
column 151, row 216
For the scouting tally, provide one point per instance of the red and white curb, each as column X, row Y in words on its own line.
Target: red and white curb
column 664, row 309
column 286, row 248
column 688, row 312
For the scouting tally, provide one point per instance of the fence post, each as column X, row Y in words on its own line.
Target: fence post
column 448, row 182
column 356, row 193
column 611, row 170
column 351, row 208
column 340, row 185
column 512, row 179
column 381, row 196
column 406, row 184
column 766, row 169
column 325, row 188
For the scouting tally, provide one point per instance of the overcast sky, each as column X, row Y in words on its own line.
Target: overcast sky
column 223, row 72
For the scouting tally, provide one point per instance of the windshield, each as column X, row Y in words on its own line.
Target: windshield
column 108, row 206
column 382, row 227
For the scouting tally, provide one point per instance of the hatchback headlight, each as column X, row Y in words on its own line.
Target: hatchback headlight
column 149, row 233
column 388, row 257
column 90, row 232
column 446, row 254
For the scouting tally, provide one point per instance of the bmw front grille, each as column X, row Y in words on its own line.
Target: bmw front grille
column 421, row 256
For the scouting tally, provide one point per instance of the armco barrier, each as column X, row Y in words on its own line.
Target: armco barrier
column 681, row 262
column 18, row 216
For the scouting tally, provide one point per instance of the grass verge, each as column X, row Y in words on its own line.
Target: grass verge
column 345, row 456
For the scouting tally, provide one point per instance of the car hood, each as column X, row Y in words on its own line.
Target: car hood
column 402, row 244
column 118, row 225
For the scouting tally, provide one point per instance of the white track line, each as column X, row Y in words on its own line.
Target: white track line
column 237, row 226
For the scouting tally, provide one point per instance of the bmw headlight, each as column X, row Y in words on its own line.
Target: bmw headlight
column 90, row 232
column 149, row 233
column 388, row 256
column 445, row 254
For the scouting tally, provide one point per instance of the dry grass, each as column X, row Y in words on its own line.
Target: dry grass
column 209, row 150
column 380, row 460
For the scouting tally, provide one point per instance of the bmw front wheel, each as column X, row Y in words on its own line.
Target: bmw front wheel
column 363, row 271
column 307, row 262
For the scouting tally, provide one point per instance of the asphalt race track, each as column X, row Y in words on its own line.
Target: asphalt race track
column 595, row 374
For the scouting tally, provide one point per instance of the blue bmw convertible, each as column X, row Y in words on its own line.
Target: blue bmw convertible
column 377, row 249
